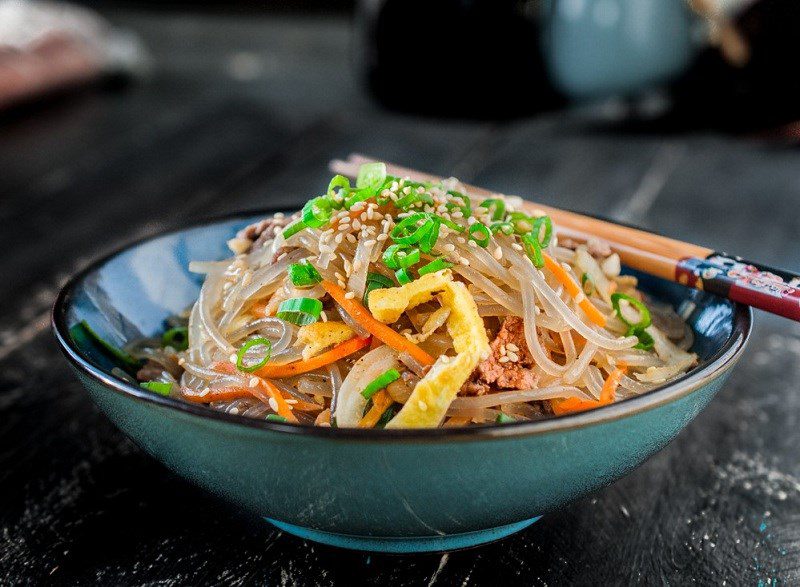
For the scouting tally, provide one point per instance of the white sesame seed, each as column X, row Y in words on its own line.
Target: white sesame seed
column 381, row 237
column 291, row 402
column 512, row 347
column 232, row 358
column 338, row 238
column 233, row 411
column 273, row 404
column 463, row 261
column 513, row 357
column 356, row 224
column 498, row 253
column 338, row 275
column 473, row 244
column 516, row 246
column 279, row 215
column 349, row 295
column 341, row 283
column 503, row 360
column 449, row 247
column 369, row 243
column 351, row 239
column 324, row 316
column 422, row 406
column 253, row 382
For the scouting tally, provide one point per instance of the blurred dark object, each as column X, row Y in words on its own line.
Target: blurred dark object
column 478, row 58
column 48, row 47
column 749, row 81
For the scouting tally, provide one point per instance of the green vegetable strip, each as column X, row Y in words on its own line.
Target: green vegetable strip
column 380, row 382
column 260, row 341
column 177, row 338
column 402, row 276
column 111, row 349
column 304, row 274
column 504, row 419
column 299, row 311
column 646, row 341
column 434, row 266
column 371, row 175
column 497, row 206
column 317, row 212
column 159, row 387
column 376, row 281
column 480, row 234
column 275, row 418
column 408, row 258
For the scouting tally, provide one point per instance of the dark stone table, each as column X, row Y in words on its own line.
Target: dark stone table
column 242, row 112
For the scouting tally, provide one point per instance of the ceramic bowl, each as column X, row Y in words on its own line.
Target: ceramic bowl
column 380, row 490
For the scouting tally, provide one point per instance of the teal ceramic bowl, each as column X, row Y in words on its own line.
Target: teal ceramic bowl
column 380, row 490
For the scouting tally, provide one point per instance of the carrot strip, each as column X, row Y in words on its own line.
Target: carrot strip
column 378, row 329
column 457, row 421
column 301, row 406
column 217, row 395
column 259, row 308
column 575, row 404
column 340, row 351
column 380, row 403
column 275, row 393
column 574, row 290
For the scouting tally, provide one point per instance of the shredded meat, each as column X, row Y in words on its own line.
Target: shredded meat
column 505, row 368
column 597, row 248
column 150, row 371
column 263, row 231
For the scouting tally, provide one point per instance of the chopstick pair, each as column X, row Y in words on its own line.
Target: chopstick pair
column 758, row 285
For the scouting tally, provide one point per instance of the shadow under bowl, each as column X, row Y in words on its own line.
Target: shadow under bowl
column 379, row 490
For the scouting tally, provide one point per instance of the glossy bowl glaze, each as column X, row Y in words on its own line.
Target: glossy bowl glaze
column 383, row 490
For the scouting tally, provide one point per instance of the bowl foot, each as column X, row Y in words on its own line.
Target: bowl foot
column 404, row 545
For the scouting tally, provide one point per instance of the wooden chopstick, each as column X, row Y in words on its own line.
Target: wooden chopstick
column 755, row 284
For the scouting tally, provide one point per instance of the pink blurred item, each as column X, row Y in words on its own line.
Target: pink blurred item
column 48, row 46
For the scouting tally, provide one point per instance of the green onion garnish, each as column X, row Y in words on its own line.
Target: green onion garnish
column 371, row 175
column 299, row 311
column 547, row 223
column 408, row 258
column 466, row 205
column 638, row 329
column 293, row 228
column 496, row 206
column 317, row 212
column 120, row 355
column 480, row 233
column 387, row 415
column 380, row 382
column 504, row 227
column 504, row 418
column 376, row 281
column 533, row 249
column 275, row 418
column 391, row 256
column 177, row 338
column 409, row 231
column 304, row 274
column 450, row 224
column 535, row 241
column 260, row 341
column 407, row 201
column 402, row 276
column 429, row 239
column 434, row 266
column 159, row 387
column 338, row 181
column 521, row 222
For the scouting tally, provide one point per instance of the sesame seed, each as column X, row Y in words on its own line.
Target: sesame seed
column 356, row 265
column 422, row 406
column 291, row 401
column 516, row 246
column 463, row 261
column 232, row 358
column 406, row 190
column 324, row 316
column 513, row 357
column 473, row 244
column 449, row 247
column 356, row 224
column 338, row 238
column 345, row 220
column 512, row 347
column 278, row 215
column 338, row 275
column 349, row 295
column 273, row 404
column 370, row 242
column 233, row 411
column 498, row 253
column 351, row 239
column 253, row 382
column 503, row 359
column 341, row 283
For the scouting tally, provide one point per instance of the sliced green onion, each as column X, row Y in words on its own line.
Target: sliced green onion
column 521, row 222
column 533, row 249
column 260, row 341
column 429, row 239
column 408, row 231
column 275, row 418
column 177, row 338
column 293, row 228
column 547, row 223
column 376, row 281
column 409, row 200
column 402, row 276
column 371, row 175
column 387, row 415
column 496, row 206
column 299, row 311
column 159, row 387
column 466, row 205
column 480, row 233
column 644, row 313
column 317, row 212
column 450, row 224
column 338, row 181
column 304, row 274
column 646, row 341
column 504, row 227
column 584, row 280
column 408, row 258
column 391, row 256
column 380, row 382
column 504, row 418
column 83, row 328
column 358, row 196
column 434, row 266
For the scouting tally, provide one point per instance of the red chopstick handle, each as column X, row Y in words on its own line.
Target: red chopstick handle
column 773, row 290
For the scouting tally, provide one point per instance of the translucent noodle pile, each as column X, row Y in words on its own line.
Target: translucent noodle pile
column 393, row 303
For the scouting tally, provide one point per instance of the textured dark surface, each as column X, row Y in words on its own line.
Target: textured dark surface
column 241, row 112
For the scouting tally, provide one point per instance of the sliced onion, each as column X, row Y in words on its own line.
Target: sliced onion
column 515, row 396
column 350, row 403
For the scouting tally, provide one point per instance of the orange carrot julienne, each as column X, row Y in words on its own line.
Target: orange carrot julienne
column 217, row 395
column 380, row 403
column 340, row 351
column 275, row 393
column 574, row 290
column 607, row 393
column 378, row 329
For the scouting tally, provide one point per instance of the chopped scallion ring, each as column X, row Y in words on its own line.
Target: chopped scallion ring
column 480, row 233
column 521, row 222
column 496, row 206
column 380, row 382
column 646, row 341
column 504, row 227
column 260, row 341
column 533, row 249
column 407, row 201
column 275, row 418
column 409, row 231
column 300, row 311
column 504, row 419
column 159, row 387
column 177, row 338
column 547, row 223
column 317, row 212
column 428, row 240
column 371, row 175
column 434, row 266
column 294, row 228
column 338, row 181
column 402, row 276
column 408, row 258
column 391, row 256
column 304, row 274
column 466, row 205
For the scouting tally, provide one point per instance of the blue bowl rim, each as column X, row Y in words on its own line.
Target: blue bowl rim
column 721, row 361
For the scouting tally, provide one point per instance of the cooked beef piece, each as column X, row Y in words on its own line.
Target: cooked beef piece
column 598, row 248
column 150, row 371
column 508, row 366
column 263, row 231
